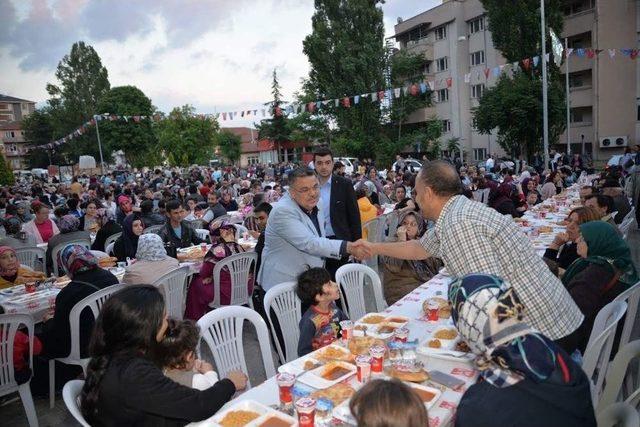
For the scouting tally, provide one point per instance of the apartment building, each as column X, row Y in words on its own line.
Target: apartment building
column 14, row 109
column 12, row 141
column 456, row 43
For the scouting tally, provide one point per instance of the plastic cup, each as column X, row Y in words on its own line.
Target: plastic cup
column 401, row 334
column 29, row 288
column 347, row 329
column 363, row 364
column 377, row 358
column 306, row 409
column 432, row 311
column 285, row 382
column 203, row 247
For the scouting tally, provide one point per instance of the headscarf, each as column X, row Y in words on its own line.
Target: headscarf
column 271, row 196
column 68, row 224
column 424, row 269
column 503, row 194
column 150, row 248
column 422, row 226
column 491, row 319
column 525, row 186
column 12, row 226
column 219, row 248
column 606, row 247
column 12, row 270
column 129, row 238
column 77, row 259
column 214, row 230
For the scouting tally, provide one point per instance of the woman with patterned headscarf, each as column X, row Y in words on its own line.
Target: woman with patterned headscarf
column 12, row 273
column 525, row 378
column 152, row 261
column 201, row 292
column 81, row 266
column 108, row 227
column 403, row 276
column 69, row 226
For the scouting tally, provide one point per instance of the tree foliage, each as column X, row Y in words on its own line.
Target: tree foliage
column 276, row 128
column 39, row 130
column 186, row 139
column 230, row 145
column 6, row 174
column 134, row 137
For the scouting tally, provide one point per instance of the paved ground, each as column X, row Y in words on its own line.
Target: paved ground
column 12, row 414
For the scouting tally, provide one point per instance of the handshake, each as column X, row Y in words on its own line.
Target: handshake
column 361, row 249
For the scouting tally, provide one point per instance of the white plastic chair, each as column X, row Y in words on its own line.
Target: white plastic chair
column 94, row 302
column 632, row 297
column 155, row 229
column 173, row 286
column 59, row 248
column 31, row 257
column 376, row 229
column 240, row 230
column 617, row 374
column 222, row 329
column 196, row 223
column 9, row 324
column 241, row 268
column 351, row 280
column 286, row 305
column 393, row 219
column 202, row 234
column 625, row 225
column 619, row 415
column 598, row 350
column 111, row 239
column 71, row 396
column 109, row 248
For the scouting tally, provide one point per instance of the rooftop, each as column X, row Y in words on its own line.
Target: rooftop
column 7, row 98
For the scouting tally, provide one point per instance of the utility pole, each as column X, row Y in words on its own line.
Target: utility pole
column 566, row 79
column 545, row 106
column 99, row 145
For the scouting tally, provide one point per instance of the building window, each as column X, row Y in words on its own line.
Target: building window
column 477, row 91
column 442, row 64
column 580, row 41
column 427, row 68
column 446, row 126
column 443, row 95
column 4, row 106
column 441, row 33
column 479, row 153
column 573, row 7
column 477, row 58
column 476, row 25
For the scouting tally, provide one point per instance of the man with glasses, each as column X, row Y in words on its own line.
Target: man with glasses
column 295, row 237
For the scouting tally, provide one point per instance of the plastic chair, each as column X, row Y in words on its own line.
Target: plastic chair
column 59, row 248
column 393, row 219
column 286, row 305
column 9, row 325
column 94, row 302
column 71, row 396
column 196, row 223
column 351, row 280
column 375, row 229
column 620, row 415
column 222, row 329
column 109, row 248
column 173, row 286
column 617, row 374
column 598, row 350
column 31, row 257
column 111, row 239
column 632, row 297
column 155, row 229
column 625, row 225
column 241, row 269
column 203, row 234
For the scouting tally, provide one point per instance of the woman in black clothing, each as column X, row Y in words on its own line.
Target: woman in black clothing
column 108, row 227
column 124, row 385
column 127, row 244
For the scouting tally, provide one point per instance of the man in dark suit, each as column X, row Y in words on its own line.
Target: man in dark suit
column 338, row 202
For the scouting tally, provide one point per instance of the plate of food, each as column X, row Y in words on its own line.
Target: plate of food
column 444, row 338
column 274, row 419
column 372, row 319
column 337, row 393
column 241, row 414
column 192, row 252
column 332, row 352
column 361, row 345
column 328, row 375
column 444, row 307
column 300, row 365
column 428, row 395
column 412, row 374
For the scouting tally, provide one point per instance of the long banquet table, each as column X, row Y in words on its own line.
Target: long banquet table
column 442, row 413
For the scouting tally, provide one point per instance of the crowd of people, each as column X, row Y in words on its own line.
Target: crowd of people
column 308, row 222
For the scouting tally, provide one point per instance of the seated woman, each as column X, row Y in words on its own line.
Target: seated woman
column 367, row 210
column 69, row 232
column 602, row 272
column 12, row 273
column 108, row 227
column 201, row 292
column 504, row 201
column 526, row 379
column 562, row 251
column 403, row 276
column 90, row 220
column 125, row 385
column 549, row 188
column 127, row 244
column 41, row 227
column 152, row 261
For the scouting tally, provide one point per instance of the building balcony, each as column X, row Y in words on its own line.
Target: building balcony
column 578, row 23
column 15, row 153
column 581, row 96
column 421, row 115
column 423, row 46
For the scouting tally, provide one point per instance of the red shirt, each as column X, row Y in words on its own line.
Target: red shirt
column 45, row 229
column 21, row 350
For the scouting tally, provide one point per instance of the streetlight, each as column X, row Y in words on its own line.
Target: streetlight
column 545, row 107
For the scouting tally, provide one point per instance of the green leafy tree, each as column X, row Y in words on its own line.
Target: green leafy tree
column 514, row 105
column 6, row 174
column 230, row 145
column 185, row 138
column 39, row 130
column 276, row 128
column 135, row 137
column 347, row 56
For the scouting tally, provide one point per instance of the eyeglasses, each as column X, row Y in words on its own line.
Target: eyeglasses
column 305, row 190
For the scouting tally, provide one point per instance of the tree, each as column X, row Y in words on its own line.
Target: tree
column 347, row 56
column 276, row 128
column 135, row 137
column 6, row 174
column 229, row 144
column 514, row 105
column 186, row 139
column 39, row 130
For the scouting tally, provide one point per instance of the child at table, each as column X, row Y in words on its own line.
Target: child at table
column 22, row 372
column 320, row 324
column 177, row 352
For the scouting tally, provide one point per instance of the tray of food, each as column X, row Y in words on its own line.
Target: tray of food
column 428, row 395
column 328, row 375
column 444, row 338
column 371, row 319
column 192, row 252
column 300, row 365
column 251, row 413
column 458, row 352
column 332, row 352
column 336, row 394
column 361, row 345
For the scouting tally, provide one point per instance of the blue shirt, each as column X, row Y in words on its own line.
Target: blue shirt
column 325, row 205
column 178, row 231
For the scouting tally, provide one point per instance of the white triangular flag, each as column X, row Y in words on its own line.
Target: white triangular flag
column 612, row 53
column 467, row 78
column 396, row 92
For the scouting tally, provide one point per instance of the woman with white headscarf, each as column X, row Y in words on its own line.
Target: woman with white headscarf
column 525, row 378
column 152, row 261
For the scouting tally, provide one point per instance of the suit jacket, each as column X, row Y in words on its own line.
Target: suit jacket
column 345, row 215
column 292, row 244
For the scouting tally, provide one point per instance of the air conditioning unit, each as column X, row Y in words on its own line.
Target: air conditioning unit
column 613, row 141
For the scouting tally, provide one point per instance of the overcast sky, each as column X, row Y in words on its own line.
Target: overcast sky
column 217, row 55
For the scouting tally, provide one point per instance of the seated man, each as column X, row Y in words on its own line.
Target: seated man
column 605, row 207
column 149, row 217
column 585, row 192
column 621, row 204
column 176, row 231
